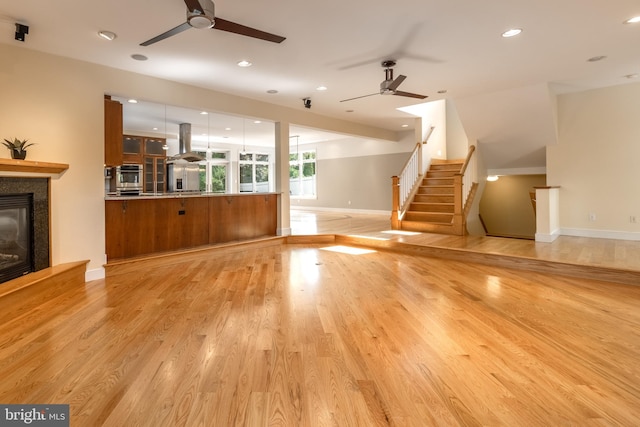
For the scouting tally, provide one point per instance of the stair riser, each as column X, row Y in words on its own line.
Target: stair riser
column 433, row 198
column 440, row 174
column 435, row 190
column 426, row 227
column 445, row 166
column 429, row 217
column 437, row 181
column 431, row 207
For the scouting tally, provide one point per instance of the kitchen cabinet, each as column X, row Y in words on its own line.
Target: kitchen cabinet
column 132, row 149
column 137, row 226
column 154, row 174
column 112, row 132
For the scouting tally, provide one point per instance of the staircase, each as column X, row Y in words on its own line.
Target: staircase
column 432, row 208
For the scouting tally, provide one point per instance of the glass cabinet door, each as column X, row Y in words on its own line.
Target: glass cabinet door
column 160, row 174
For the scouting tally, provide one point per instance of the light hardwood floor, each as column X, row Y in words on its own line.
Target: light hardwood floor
column 608, row 253
column 277, row 334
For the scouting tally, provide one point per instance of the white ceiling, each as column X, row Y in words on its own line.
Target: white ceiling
column 453, row 45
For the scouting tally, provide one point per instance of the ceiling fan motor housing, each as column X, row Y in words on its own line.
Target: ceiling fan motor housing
column 202, row 18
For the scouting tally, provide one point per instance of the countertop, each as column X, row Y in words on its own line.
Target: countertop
column 114, row 196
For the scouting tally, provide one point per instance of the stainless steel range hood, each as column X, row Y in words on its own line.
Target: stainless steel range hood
column 184, row 145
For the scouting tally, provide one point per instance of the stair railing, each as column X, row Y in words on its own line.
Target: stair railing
column 463, row 184
column 404, row 185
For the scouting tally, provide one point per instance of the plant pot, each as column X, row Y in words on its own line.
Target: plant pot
column 18, row 154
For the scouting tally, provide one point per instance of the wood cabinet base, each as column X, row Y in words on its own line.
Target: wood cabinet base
column 145, row 226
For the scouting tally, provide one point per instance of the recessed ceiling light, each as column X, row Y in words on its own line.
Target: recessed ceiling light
column 139, row 57
column 596, row 58
column 244, row 63
column 492, row 178
column 257, row 122
column 155, row 128
column 132, row 101
column 512, row 32
column 204, row 113
column 405, row 126
column 633, row 20
column 227, row 128
column 107, row 35
column 272, row 91
column 321, row 88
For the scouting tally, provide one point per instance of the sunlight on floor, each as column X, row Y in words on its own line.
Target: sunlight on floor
column 348, row 250
column 401, row 232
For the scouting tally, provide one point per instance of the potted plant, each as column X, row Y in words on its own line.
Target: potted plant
column 18, row 147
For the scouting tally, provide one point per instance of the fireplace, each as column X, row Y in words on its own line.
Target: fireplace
column 16, row 235
column 24, row 226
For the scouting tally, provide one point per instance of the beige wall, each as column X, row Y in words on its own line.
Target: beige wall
column 506, row 207
column 596, row 162
column 57, row 103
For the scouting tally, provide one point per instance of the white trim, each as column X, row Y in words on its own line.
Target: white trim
column 547, row 238
column 600, row 234
column 518, row 171
column 283, row 231
column 343, row 210
column 95, row 274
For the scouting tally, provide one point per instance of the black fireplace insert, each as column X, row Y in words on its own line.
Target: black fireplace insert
column 16, row 235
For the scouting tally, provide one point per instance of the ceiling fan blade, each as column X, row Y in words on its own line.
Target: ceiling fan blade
column 232, row 27
column 193, row 5
column 410, row 95
column 172, row 32
column 394, row 84
column 358, row 97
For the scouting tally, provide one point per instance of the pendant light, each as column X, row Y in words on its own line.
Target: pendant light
column 244, row 148
column 165, row 147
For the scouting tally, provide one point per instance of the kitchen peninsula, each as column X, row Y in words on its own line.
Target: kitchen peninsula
column 145, row 217
column 146, row 225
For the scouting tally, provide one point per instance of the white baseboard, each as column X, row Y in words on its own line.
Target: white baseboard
column 600, row 234
column 283, row 232
column 547, row 238
column 95, row 274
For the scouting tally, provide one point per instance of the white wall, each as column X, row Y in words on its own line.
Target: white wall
column 58, row 103
column 597, row 162
column 355, row 173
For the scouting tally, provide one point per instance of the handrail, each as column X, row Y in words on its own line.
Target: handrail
column 403, row 185
column 411, row 171
column 463, row 185
column 467, row 160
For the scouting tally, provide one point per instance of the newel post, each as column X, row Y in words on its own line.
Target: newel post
column 395, row 202
column 458, row 220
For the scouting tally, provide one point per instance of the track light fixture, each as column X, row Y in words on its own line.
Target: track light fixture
column 307, row 102
column 21, row 31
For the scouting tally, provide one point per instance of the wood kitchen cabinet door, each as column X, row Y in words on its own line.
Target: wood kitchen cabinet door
column 112, row 132
column 130, row 228
column 188, row 222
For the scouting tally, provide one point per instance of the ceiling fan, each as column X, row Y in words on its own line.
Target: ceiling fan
column 389, row 86
column 200, row 14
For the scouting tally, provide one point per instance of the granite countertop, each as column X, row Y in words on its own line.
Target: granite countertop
column 114, row 196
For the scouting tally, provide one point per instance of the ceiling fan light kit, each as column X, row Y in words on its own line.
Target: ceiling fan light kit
column 202, row 18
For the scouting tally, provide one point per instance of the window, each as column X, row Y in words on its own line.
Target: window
column 214, row 171
column 254, row 173
column 302, row 173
